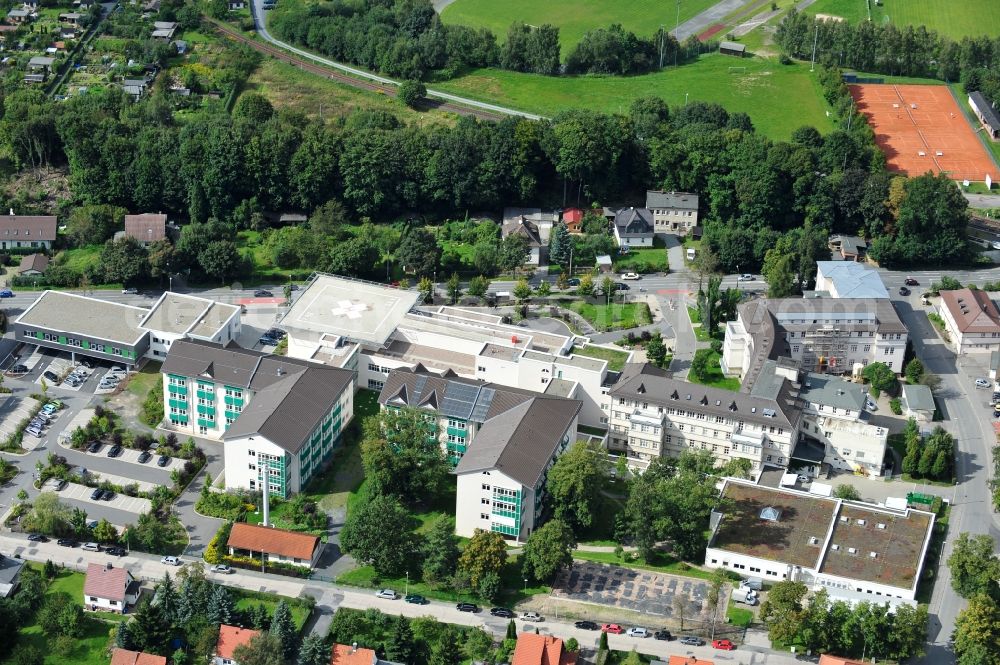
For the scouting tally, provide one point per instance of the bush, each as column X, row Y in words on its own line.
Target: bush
column 896, row 405
column 222, row 504
column 216, row 549
column 412, row 93
column 152, row 406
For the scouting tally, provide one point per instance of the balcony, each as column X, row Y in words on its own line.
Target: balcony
column 180, row 390
column 206, row 408
column 231, row 400
column 178, row 403
column 209, row 395
column 206, row 423
column 231, row 414
column 454, row 431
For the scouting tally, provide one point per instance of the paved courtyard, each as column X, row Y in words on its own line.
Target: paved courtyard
column 635, row 590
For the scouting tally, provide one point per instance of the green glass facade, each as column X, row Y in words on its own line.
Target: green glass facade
column 507, row 503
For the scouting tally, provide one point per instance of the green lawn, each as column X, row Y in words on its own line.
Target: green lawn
column 755, row 91
column 81, row 258
column 611, row 317
column 246, row 599
column 739, row 616
column 643, row 260
column 661, row 563
column 139, row 384
column 715, row 377
column 955, row 19
column 616, row 359
column 573, row 17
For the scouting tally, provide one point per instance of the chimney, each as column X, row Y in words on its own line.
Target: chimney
column 11, row 212
column 354, row 647
column 109, row 566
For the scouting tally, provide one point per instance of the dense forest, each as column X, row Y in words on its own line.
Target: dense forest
column 406, row 39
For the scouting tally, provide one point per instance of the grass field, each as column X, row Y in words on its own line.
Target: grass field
column 643, row 260
column 955, row 19
column 616, row 359
column 661, row 563
column 246, row 599
column 573, row 17
column 611, row 317
column 759, row 91
column 715, row 377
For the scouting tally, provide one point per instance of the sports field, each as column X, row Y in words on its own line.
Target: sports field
column 573, row 17
column 920, row 128
column 778, row 98
column 954, row 18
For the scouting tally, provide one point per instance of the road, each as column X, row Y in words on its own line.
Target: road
column 711, row 16
column 982, row 200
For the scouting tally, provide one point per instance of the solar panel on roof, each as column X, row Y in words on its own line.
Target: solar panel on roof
column 483, row 405
column 459, row 400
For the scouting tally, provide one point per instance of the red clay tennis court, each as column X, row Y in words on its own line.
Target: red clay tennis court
column 920, row 128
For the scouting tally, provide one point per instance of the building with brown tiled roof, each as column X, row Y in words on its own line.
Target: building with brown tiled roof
column 685, row 660
column 856, row 551
column 33, row 264
column 827, row 659
column 300, row 549
column 126, row 657
column 231, row 637
column 146, row 228
column 535, row 649
column 344, row 654
column 27, row 230
column 971, row 319
column 109, row 589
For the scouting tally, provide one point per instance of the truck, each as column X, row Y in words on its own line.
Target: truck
column 745, row 596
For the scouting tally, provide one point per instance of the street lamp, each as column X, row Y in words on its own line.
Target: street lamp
column 525, row 585
column 406, row 589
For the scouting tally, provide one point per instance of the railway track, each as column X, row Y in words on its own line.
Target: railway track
column 340, row 77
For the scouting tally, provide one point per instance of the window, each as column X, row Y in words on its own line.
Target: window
column 486, row 487
column 484, row 516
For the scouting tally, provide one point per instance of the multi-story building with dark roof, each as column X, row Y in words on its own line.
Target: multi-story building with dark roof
column 501, row 440
column 280, row 419
column 673, row 212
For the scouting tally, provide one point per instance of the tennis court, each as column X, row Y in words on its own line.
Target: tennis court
column 920, row 128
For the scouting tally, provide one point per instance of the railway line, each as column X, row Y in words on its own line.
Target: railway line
column 346, row 79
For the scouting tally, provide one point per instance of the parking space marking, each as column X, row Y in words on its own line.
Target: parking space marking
column 121, row 502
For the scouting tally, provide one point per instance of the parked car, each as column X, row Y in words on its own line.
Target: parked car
column 18, row 369
column 994, row 399
column 636, row 631
column 754, row 584
column 115, row 451
column 267, row 341
column 586, row 625
column 870, row 404
column 502, row 612
column 388, row 594
column 621, row 287
column 467, row 607
column 94, row 446
column 163, row 461
column 982, row 383
column 909, row 281
column 573, row 281
column 61, row 484
column 692, row 641
column 532, row 616
column 276, row 333
column 115, row 550
column 91, row 547
column 51, row 376
column 745, row 277
column 613, row 628
column 6, row 293
column 725, row 645
column 34, row 431
column 145, row 456
column 67, row 542
column 37, row 538
column 903, row 291
column 222, row 569
column 117, row 369
column 131, row 291
column 631, row 275
column 663, row 635
column 170, row 561
column 416, row 599
column 96, row 494
column 107, row 495
column 261, row 293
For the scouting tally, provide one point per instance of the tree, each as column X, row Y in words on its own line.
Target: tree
column 574, row 484
column 179, row 657
column 124, row 260
column 220, row 605
column 314, row 651
column 149, row 533
column 283, row 628
column 486, row 552
column 479, row 286
column 253, row 109
column 412, row 93
column 123, row 640
column 602, row 643
column 262, row 649
column 549, row 549
column 522, row 291
column 779, row 272
column 440, row 550
column 847, row 492
column 105, row 532
column 426, row 288
column 454, row 288
column 380, row 533
column 401, row 458
column 656, row 350
column 560, row 244
column 782, row 611
column 513, row 252
column 974, row 568
column 445, row 650
column 167, row 599
column 586, row 287
column 608, row 287
column 544, row 289
column 48, row 515
column 880, row 376
column 399, row 646
column 977, row 631
column 220, row 260
column 151, row 628
column 914, row 371
column 418, row 252
column 708, row 301
column 92, row 224
column 490, row 585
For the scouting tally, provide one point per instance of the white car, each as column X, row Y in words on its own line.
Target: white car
column 745, row 277
column 631, row 275
column 170, row 561
column 870, row 404
column 802, row 478
column 982, row 383
column 388, row 594
column 221, row 568
column 637, row 632
column 532, row 616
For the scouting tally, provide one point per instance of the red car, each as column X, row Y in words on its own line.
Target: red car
column 612, row 628
column 725, row 645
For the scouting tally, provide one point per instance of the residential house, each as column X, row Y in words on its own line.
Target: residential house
column 544, row 220
column 344, row 654
column 573, row 219
column 918, row 402
column 148, row 227
column 533, row 649
column 126, row 657
column 971, row 319
column 17, row 231
column 10, row 575
column 66, row 32
column 41, row 63
column 72, row 18
column 30, row 5
column 846, row 279
column 502, row 442
column 164, row 30
column 848, row 248
column 856, row 551
column 235, row 5
column 732, row 48
column 279, row 418
column 673, row 212
column 231, row 637
column 18, row 16
column 633, row 227
column 33, row 265
column 109, row 589
column 827, row 659
column 527, row 229
column 277, row 545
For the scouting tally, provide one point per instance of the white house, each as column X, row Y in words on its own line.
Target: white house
column 856, row 551
column 673, row 212
column 633, row 227
column 918, row 402
column 848, row 279
column 972, row 320
column 175, row 316
column 109, row 589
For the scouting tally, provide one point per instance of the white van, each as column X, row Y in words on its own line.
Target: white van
column 91, row 547
column 690, row 253
column 745, row 596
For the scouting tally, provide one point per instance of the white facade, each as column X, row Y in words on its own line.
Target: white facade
column 672, row 220
column 850, row 445
column 207, row 408
column 98, row 603
column 476, row 506
column 969, row 342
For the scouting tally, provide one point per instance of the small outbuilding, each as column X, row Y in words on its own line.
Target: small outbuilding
column 733, row 48
column 33, row 265
column 918, row 403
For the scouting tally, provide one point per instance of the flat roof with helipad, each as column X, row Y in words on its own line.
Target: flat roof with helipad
column 71, row 313
column 355, row 309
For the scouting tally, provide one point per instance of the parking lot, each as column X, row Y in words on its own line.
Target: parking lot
column 635, row 590
column 12, row 411
column 39, row 360
column 75, row 492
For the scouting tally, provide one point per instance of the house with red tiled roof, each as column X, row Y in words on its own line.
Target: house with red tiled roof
column 684, row 660
column 573, row 219
column 345, row 654
column 300, row 549
column 231, row 637
column 109, row 589
column 126, row 657
column 535, row 649
column 971, row 319
column 827, row 659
